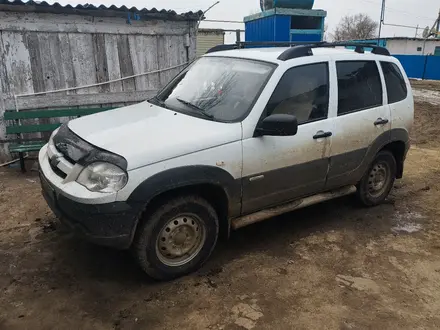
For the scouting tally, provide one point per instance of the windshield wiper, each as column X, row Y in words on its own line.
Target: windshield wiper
column 195, row 107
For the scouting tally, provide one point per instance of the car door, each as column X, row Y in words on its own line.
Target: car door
column 277, row 169
column 363, row 117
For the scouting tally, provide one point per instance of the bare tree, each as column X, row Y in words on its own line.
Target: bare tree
column 325, row 36
column 352, row 27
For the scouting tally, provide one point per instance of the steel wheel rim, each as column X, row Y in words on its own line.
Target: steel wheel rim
column 378, row 179
column 180, row 240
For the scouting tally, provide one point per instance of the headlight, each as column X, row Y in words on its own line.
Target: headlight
column 103, row 177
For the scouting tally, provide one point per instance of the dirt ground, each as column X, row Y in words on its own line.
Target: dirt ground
column 330, row 266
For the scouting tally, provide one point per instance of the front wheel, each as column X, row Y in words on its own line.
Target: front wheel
column 177, row 238
column 377, row 182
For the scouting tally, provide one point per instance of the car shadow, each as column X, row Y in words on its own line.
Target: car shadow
column 270, row 236
column 273, row 235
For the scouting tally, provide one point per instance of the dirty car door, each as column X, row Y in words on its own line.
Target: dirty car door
column 363, row 121
column 280, row 168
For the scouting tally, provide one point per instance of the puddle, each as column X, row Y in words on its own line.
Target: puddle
column 406, row 222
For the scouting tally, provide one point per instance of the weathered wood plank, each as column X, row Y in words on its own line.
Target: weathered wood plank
column 151, row 62
column 49, row 49
column 100, row 61
column 4, row 92
column 137, row 54
column 51, row 70
column 67, row 66
column 112, row 56
column 83, row 61
column 55, row 100
column 181, row 55
column 143, row 52
column 192, row 51
column 171, row 51
column 39, row 22
column 125, row 63
column 162, row 59
column 17, row 63
column 114, row 70
column 35, row 58
column 66, row 61
column 4, row 79
column 33, row 45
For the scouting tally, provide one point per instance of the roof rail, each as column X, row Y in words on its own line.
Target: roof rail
column 359, row 48
column 301, row 49
column 220, row 48
column 256, row 44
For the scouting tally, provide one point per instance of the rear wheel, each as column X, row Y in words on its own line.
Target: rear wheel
column 177, row 238
column 377, row 182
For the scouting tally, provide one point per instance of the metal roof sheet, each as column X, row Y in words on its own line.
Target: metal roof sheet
column 101, row 10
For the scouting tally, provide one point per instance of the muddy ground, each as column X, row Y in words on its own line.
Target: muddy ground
column 330, row 266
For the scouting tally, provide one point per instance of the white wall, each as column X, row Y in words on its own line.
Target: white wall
column 409, row 47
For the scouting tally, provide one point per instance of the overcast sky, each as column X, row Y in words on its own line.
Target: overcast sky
column 405, row 12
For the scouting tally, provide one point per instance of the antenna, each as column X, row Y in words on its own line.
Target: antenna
column 426, row 32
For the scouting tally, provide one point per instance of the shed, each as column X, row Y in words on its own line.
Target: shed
column 285, row 25
column 208, row 38
column 47, row 47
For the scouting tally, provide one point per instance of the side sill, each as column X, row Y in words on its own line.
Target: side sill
column 290, row 206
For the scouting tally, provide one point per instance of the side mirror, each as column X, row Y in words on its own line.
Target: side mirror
column 278, row 125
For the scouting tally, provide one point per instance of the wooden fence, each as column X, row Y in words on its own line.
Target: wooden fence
column 42, row 51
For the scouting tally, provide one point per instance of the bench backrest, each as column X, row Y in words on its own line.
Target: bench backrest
column 15, row 125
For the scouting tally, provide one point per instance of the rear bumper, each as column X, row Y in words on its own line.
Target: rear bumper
column 110, row 224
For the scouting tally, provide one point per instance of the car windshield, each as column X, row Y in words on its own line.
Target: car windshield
column 216, row 88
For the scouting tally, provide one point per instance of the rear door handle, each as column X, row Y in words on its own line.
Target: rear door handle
column 381, row 121
column 321, row 135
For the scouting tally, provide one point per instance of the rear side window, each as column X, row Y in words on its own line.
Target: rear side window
column 396, row 87
column 303, row 91
column 359, row 86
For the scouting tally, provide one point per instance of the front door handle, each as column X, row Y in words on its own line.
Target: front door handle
column 381, row 121
column 321, row 135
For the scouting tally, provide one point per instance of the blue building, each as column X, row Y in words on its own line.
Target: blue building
column 286, row 21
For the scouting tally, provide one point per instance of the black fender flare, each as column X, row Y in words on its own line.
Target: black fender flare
column 186, row 176
column 368, row 155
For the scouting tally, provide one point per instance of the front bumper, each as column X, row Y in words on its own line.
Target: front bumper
column 110, row 224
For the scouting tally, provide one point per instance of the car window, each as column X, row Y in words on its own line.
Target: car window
column 396, row 86
column 217, row 88
column 302, row 91
column 359, row 86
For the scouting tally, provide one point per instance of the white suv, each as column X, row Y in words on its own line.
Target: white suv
column 237, row 137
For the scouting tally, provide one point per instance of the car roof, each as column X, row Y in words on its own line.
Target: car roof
column 271, row 54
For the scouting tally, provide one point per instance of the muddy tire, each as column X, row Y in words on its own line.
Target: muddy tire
column 177, row 238
column 377, row 182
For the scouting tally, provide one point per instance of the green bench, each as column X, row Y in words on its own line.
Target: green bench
column 16, row 125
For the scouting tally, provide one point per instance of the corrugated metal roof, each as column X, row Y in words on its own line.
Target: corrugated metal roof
column 101, row 10
column 212, row 31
